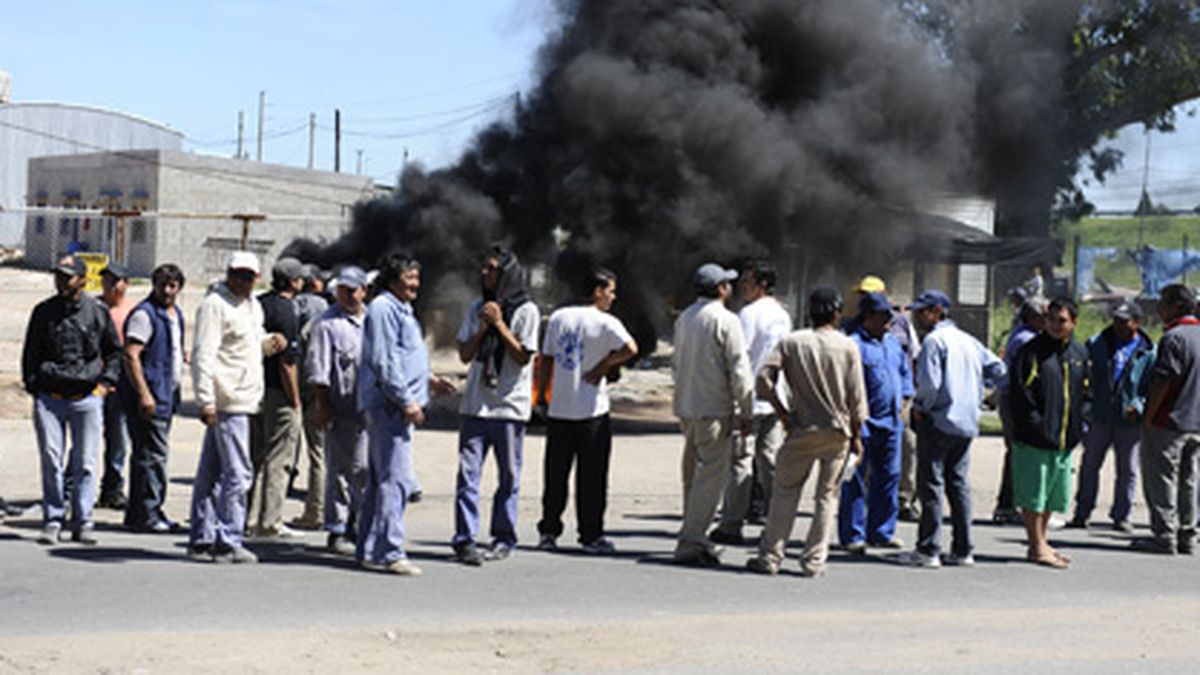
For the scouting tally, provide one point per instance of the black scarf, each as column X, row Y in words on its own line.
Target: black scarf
column 510, row 293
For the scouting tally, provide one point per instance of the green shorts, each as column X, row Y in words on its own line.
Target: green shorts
column 1041, row 479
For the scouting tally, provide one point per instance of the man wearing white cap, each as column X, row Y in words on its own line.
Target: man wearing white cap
column 229, row 345
column 713, row 383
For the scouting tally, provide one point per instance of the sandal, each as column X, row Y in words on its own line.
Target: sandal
column 1052, row 561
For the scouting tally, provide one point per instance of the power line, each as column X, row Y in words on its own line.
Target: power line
column 217, row 174
column 427, row 130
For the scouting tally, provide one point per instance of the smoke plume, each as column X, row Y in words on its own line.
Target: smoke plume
column 665, row 133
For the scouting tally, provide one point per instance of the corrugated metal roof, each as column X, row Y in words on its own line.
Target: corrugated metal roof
column 93, row 108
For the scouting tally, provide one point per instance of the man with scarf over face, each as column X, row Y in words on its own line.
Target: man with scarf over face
column 498, row 338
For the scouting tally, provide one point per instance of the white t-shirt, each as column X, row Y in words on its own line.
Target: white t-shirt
column 511, row 398
column 764, row 322
column 141, row 329
column 578, row 338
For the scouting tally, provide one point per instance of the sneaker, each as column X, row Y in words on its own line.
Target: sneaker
column 955, row 560
column 401, row 567
column 200, row 553
column 910, row 514
column 761, row 566
column 811, row 571
column 281, row 531
column 85, row 535
column 1153, row 545
column 467, row 554
column 599, row 546
column 702, row 558
column 915, row 558
column 1123, row 526
column 307, row 522
column 894, row 543
column 114, row 500
column 49, row 534
column 1186, row 547
column 500, row 551
column 1056, row 523
column 547, row 542
column 719, row 536
column 856, row 548
column 339, row 544
column 238, row 555
column 1007, row 517
column 1077, row 523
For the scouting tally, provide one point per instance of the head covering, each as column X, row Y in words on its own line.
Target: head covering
column 242, row 260
column 351, row 276
column 709, row 275
column 71, row 266
column 874, row 302
column 510, row 293
column 931, row 298
column 870, row 284
column 116, row 270
column 288, row 269
column 1127, row 311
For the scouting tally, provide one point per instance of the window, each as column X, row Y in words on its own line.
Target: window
column 64, row 227
column 137, row 232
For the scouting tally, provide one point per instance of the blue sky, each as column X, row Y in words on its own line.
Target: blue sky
column 407, row 74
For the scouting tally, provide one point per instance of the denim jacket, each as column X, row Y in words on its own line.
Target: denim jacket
column 395, row 364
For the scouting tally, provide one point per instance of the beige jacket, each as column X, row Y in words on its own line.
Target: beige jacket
column 710, row 365
column 824, row 374
column 227, row 352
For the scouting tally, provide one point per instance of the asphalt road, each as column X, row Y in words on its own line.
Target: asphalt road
column 137, row 604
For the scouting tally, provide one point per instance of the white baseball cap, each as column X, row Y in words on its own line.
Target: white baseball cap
column 243, row 260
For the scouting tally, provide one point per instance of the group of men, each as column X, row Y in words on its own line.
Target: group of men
column 840, row 394
column 760, row 406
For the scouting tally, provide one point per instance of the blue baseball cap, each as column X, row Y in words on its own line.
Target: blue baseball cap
column 351, row 276
column 931, row 298
column 874, row 302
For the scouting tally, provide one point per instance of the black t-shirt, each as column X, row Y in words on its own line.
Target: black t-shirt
column 279, row 316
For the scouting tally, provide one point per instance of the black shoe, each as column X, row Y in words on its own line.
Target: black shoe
column 468, row 554
column 720, row 536
column 1123, row 526
column 1007, row 517
column 1186, row 547
column 547, row 542
column 1153, row 545
column 1076, row 523
column 500, row 551
column 202, row 553
column 416, row 497
column 910, row 514
column 704, row 558
column 114, row 500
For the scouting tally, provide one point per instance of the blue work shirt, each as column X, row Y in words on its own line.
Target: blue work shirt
column 952, row 369
column 888, row 377
column 394, row 371
column 334, row 352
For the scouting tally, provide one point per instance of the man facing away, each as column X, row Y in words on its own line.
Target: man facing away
column 869, row 506
column 712, row 376
column 952, row 369
column 498, row 338
column 582, row 344
column 1029, row 322
column 69, row 362
column 310, row 305
column 764, row 322
column 1121, row 356
column 154, row 358
column 332, row 366
column 394, row 380
column 114, row 280
column 1046, row 395
column 1171, row 427
column 277, row 426
column 824, row 421
column 229, row 345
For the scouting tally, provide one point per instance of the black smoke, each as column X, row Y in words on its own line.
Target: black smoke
column 665, row 133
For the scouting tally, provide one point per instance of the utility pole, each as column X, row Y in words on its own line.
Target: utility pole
column 262, row 109
column 358, row 165
column 337, row 140
column 241, row 132
column 1145, row 194
column 312, row 137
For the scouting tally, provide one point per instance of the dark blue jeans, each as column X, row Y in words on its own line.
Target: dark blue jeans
column 506, row 438
column 147, row 470
column 942, row 464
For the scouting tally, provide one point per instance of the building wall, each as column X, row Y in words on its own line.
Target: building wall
column 29, row 130
column 189, row 200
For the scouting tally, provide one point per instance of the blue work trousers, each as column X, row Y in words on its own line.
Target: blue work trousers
column 52, row 417
column 942, row 466
column 223, row 478
column 389, row 467
column 345, row 473
column 869, row 504
column 506, row 438
column 116, row 445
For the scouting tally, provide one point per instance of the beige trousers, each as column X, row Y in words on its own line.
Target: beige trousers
column 706, row 452
column 274, row 438
column 792, row 467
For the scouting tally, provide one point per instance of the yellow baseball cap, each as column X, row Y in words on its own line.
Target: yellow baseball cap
column 870, row 284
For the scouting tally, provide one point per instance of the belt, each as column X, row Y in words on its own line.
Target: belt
column 76, row 397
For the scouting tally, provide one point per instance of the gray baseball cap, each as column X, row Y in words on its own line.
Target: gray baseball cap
column 709, row 275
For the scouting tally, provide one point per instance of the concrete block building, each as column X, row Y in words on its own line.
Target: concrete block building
column 144, row 208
